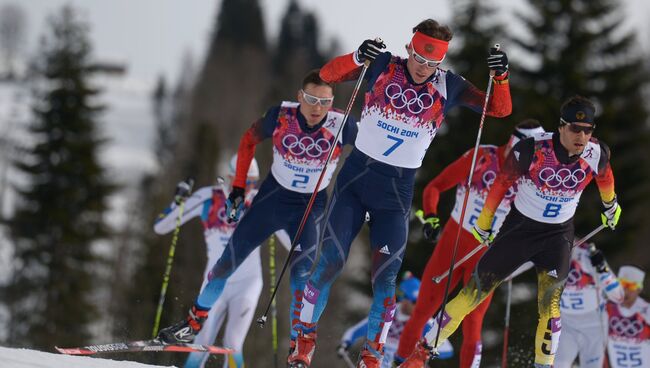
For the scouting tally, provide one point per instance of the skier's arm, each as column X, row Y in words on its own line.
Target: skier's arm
column 349, row 134
column 260, row 130
column 610, row 286
column 166, row 220
column 355, row 332
column 450, row 176
column 344, row 68
column 515, row 165
column 605, row 177
column 462, row 92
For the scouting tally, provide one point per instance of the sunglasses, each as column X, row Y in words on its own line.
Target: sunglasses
column 575, row 128
column 313, row 100
column 630, row 285
column 422, row 60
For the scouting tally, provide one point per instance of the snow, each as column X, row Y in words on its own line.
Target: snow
column 24, row 358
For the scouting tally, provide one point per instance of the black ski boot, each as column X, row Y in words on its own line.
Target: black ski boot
column 184, row 331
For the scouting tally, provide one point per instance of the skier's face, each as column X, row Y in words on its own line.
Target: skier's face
column 630, row 296
column 418, row 67
column 315, row 102
column 575, row 136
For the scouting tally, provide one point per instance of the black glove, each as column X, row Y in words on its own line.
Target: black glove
column 369, row 50
column 597, row 259
column 431, row 228
column 183, row 190
column 235, row 204
column 497, row 61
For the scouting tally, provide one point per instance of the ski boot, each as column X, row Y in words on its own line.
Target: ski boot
column 184, row 331
column 371, row 355
column 303, row 351
column 419, row 357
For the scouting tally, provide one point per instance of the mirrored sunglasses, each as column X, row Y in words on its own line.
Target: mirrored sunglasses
column 422, row 60
column 630, row 285
column 313, row 100
column 575, row 128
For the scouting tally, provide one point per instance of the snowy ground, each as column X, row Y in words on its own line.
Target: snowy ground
column 23, row 358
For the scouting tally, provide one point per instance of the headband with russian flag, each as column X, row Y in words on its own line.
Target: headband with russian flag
column 428, row 47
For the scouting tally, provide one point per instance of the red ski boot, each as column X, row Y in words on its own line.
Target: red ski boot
column 371, row 355
column 303, row 352
column 419, row 357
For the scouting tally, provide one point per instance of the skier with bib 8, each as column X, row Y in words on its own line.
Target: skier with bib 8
column 551, row 171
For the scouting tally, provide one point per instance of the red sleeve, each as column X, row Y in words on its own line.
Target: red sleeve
column 512, row 170
column 451, row 176
column 246, row 152
column 340, row 69
column 605, row 183
column 500, row 104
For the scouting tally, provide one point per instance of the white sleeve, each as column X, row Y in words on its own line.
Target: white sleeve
column 166, row 221
column 610, row 286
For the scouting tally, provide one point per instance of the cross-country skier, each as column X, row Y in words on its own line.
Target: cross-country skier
column 407, row 295
column 629, row 323
column 302, row 133
column 552, row 170
column 588, row 287
column 405, row 104
column 243, row 288
column 488, row 164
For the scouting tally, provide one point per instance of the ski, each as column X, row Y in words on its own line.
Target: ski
column 144, row 345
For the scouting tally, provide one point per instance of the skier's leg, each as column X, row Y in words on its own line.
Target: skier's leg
column 241, row 310
column 259, row 222
column 304, row 256
column 388, row 235
column 430, row 295
column 471, row 350
column 569, row 347
column 344, row 219
column 592, row 348
column 208, row 334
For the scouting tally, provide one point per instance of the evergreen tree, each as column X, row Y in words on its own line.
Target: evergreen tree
column 581, row 48
column 59, row 215
column 297, row 50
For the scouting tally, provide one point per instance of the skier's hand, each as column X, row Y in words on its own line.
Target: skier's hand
column 498, row 61
column 431, row 228
column 183, row 190
column 483, row 236
column 235, row 204
column 597, row 259
column 342, row 349
column 369, row 50
column 611, row 213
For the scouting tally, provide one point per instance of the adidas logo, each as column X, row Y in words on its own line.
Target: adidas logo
column 384, row 250
column 516, row 155
column 297, row 248
column 553, row 273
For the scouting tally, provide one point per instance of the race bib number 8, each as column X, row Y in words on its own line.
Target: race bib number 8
column 552, row 210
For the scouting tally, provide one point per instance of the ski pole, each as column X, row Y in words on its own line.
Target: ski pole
column 262, row 320
column 274, row 311
column 589, row 236
column 170, row 260
column 343, row 354
column 464, row 208
column 506, row 328
column 469, row 255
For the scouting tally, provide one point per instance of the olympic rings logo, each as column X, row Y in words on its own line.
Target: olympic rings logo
column 573, row 277
column 564, row 177
column 488, row 179
column 306, row 145
column 625, row 327
column 408, row 98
